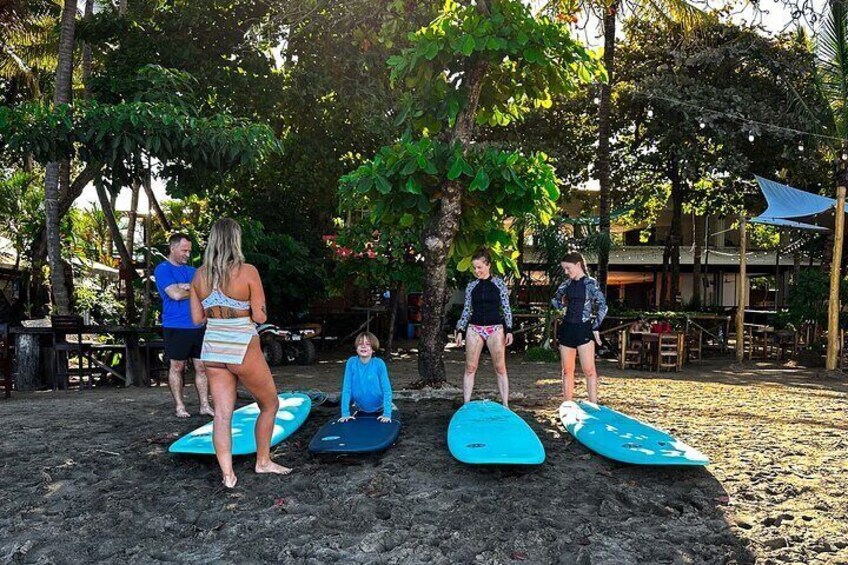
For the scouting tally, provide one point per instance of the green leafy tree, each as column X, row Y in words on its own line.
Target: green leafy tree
column 334, row 104
column 291, row 276
column 61, row 96
column 487, row 63
column 808, row 298
column 691, row 109
column 163, row 123
column 609, row 11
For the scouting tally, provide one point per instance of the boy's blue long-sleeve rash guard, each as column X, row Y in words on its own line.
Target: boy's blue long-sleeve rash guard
column 367, row 385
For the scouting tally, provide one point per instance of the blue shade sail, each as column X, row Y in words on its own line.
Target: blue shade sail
column 792, row 208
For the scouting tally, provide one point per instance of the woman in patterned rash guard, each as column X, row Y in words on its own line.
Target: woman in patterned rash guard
column 486, row 319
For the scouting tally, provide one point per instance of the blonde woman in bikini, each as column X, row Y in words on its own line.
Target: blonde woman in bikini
column 227, row 295
column 486, row 320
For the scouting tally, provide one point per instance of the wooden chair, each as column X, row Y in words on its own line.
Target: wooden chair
column 631, row 351
column 669, row 352
column 694, row 343
column 64, row 326
column 747, row 344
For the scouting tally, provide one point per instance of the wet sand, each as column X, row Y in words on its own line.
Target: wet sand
column 86, row 478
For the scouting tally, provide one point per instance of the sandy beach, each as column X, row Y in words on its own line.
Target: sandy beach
column 86, row 478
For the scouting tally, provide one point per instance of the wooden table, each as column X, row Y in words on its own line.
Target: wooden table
column 651, row 344
column 135, row 372
column 778, row 338
column 650, row 347
column 369, row 310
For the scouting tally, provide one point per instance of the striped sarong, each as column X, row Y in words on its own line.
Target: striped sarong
column 226, row 339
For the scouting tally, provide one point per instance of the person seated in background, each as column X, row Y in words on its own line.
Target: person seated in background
column 366, row 384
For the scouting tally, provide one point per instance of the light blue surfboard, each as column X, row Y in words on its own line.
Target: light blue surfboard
column 293, row 411
column 485, row 433
column 622, row 438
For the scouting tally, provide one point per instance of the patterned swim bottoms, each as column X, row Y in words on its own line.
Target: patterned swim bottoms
column 484, row 331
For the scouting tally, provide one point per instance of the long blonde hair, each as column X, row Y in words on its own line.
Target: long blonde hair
column 223, row 253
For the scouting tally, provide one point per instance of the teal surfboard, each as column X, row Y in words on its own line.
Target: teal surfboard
column 485, row 433
column 293, row 411
column 622, row 438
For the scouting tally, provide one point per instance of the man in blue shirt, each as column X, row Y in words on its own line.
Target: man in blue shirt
column 183, row 338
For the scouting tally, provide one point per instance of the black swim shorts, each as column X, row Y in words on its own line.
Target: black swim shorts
column 183, row 343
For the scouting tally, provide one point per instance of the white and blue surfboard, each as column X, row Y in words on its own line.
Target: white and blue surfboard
column 293, row 411
column 621, row 438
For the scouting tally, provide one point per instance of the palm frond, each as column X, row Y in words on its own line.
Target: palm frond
column 679, row 12
column 832, row 59
column 820, row 123
column 30, row 41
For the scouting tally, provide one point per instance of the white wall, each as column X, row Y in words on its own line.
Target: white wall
column 728, row 282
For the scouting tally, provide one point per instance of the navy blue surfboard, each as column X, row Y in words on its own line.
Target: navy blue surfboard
column 364, row 434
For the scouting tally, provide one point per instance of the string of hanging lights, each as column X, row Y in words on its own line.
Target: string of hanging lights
column 743, row 120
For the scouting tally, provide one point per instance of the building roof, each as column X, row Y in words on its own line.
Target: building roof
column 652, row 256
column 8, row 256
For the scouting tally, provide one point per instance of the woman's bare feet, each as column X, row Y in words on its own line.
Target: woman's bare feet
column 230, row 480
column 271, row 467
column 181, row 412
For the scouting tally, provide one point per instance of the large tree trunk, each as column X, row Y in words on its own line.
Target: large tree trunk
column 29, row 362
column 87, row 58
column 676, row 230
column 132, row 217
column 151, row 199
column 64, row 188
column 697, row 276
column 123, row 252
column 663, row 301
column 796, row 265
column 145, row 308
column 131, row 223
column 108, row 240
column 62, row 95
column 438, row 237
column 603, row 160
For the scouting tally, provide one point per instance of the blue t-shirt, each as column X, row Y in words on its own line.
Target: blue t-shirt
column 367, row 384
column 175, row 313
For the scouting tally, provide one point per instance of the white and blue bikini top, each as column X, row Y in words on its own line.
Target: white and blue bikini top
column 218, row 298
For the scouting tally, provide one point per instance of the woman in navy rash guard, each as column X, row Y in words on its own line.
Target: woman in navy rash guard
column 585, row 308
column 488, row 320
